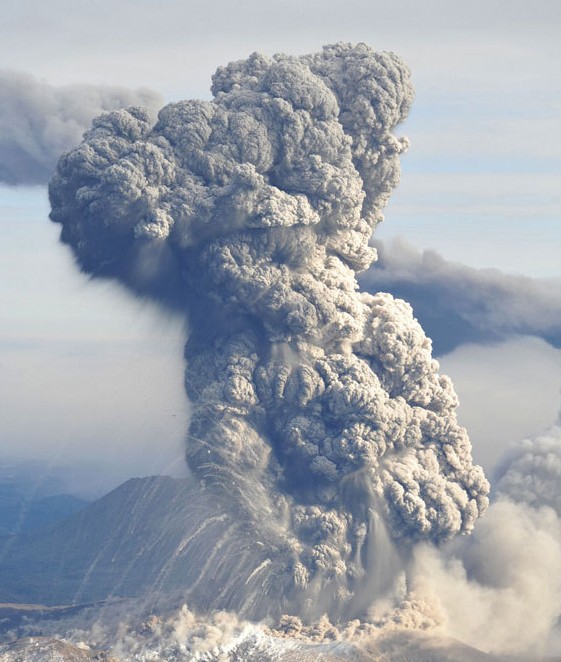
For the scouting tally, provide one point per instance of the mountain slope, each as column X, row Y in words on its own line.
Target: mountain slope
column 150, row 535
column 164, row 536
column 116, row 545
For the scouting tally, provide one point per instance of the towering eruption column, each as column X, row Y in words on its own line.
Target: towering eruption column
column 320, row 422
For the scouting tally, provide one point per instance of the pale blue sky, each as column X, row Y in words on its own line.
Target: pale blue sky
column 480, row 184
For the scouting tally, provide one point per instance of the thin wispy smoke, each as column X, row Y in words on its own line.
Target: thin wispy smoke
column 319, row 415
column 39, row 121
column 456, row 304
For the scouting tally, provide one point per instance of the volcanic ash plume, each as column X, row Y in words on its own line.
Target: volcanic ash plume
column 319, row 416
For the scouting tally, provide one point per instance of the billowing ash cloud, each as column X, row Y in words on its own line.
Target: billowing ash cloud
column 318, row 412
column 457, row 304
column 531, row 471
column 500, row 589
column 38, row 122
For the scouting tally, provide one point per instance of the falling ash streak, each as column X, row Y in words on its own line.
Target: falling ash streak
column 252, row 213
column 168, row 565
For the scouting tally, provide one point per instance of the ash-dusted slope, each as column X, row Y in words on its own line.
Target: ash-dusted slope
column 45, row 649
column 250, row 646
column 420, row 647
column 130, row 631
column 152, row 534
column 318, row 411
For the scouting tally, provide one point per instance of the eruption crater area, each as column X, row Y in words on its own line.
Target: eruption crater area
column 321, row 430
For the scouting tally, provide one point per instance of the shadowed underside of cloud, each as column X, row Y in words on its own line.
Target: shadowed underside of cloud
column 457, row 304
column 38, row 121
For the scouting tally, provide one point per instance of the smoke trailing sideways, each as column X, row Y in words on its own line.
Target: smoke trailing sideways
column 320, row 423
column 39, row 121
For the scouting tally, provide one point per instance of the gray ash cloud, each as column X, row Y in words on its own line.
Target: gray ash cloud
column 458, row 304
column 319, row 414
column 39, row 121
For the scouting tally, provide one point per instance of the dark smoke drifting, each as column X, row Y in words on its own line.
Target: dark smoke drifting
column 319, row 415
column 458, row 304
column 39, row 121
